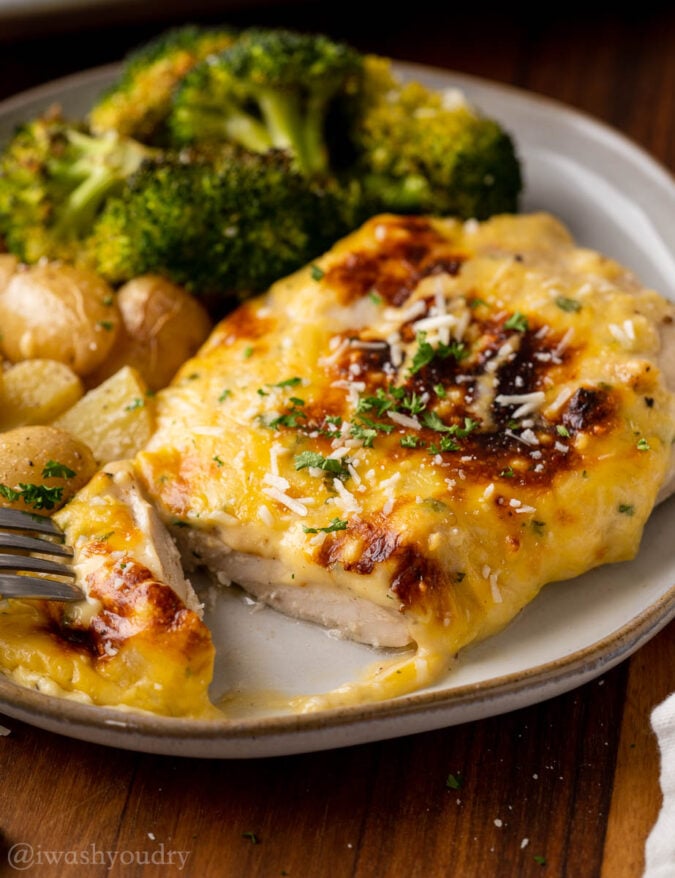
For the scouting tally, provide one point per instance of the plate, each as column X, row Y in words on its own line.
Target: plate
column 613, row 197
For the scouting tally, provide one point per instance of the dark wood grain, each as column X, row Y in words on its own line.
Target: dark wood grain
column 565, row 788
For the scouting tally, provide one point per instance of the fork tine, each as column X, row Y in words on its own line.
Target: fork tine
column 13, row 585
column 16, row 519
column 37, row 565
column 33, row 544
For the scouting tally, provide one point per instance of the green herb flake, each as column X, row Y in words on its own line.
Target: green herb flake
column 453, row 782
column 37, row 496
column 328, row 464
column 507, row 473
column 411, row 441
column 251, row 836
column 627, row 509
column 108, row 325
column 317, row 272
column 218, row 460
column 569, row 305
column 137, row 403
column 561, row 430
column 439, row 390
column 447, row 443
column 335, row 525
column 375, row 297
column 248, row 352
column 54, row 470
column 541, row 861
column 643, row 445
column 426, row 352
column 289, row 382
column 518, row 322
column 224, row 395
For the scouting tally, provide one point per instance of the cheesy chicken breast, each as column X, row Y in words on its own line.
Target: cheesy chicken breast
column 408, row 438
column 404, row 441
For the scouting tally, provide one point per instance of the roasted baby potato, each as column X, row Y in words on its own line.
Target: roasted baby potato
column 162, row 325
column 8, row 265
column 36, row 392
column 41, row 468
column 114, row 419
column 58, row 312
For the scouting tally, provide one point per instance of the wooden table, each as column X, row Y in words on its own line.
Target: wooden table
column 565, row 788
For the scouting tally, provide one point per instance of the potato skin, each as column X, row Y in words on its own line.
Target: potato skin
column 24, row 457
column 58, row 312
column 162, row 325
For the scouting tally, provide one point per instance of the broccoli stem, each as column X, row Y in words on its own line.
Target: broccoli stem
column 99, row 171
column 283, row 116
column 243, row 129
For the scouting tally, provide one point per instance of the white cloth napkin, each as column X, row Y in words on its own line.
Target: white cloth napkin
column 660, row 847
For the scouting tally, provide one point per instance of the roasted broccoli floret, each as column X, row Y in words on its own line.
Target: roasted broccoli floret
column 421, row 150
column 137, row 103
column 223, row 222
column 54, row 178
column 273, row 89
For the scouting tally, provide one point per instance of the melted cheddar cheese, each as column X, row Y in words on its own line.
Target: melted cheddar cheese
column 422, row 429
column 436, row 418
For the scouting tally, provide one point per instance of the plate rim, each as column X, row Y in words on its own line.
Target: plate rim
column 236, row 738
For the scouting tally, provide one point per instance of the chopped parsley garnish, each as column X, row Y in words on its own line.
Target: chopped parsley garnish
column 365, row 434
column 224, row 395
column 106, row 324
column 290, row 419
column 393, row 399
column 447, row 443
column 453, row 782
column 569, row 305
column 54, row 470
column 366, row 430
column 538, row 526
column 248, row 352
column 218, row 460
column 317, row 272
column 138, row 403
column 426, row 352
column 336, row 524
column 289, row 382
column 627, row 509
column 518, row 322
column 331, row 465
column 561, row 430
column 507, row 473
column 539, row 859
column 375, row 297
column 251, row 836
column 432, row 420
column 37, row 496
column 643, row 445
column 411, row 441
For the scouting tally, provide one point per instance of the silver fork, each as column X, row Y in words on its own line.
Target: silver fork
column 25, row 557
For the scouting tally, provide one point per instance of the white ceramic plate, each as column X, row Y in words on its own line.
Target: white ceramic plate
column 614, row 198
